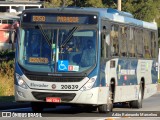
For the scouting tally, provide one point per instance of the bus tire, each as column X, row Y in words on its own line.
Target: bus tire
column 109, row 106
column 37, row 107
column 138, row 103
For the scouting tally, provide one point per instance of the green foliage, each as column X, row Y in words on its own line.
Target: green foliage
column 57, row 3
column 6, row 55
column 6, row 85
column 142, row 9
column 94, row 3
column 6, row 73
column 109, row 3
column 7, row 98
column 7, row 68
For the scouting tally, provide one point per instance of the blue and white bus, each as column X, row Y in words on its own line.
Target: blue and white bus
column 85, row 56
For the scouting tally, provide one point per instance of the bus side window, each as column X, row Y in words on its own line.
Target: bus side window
column 104, row 43
column 123, row 41
column 153, row 44
column 146, row 44
column 131, row 43
column 139, row 42
column 114, row 40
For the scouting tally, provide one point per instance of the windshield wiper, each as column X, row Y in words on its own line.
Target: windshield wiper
column 69, row 37
column 44, row 34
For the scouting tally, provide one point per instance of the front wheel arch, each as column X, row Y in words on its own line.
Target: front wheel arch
column 110, row 99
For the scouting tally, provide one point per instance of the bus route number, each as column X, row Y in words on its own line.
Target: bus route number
column 39, row 18
column 69, row 86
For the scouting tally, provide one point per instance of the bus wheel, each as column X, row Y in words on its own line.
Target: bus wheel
column 37, row 107
column 137, row 103
column 107, row 108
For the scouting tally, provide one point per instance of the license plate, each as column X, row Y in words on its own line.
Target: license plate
column 53, row 99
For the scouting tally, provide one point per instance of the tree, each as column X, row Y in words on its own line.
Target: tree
column 146, row 10
column 128, row 6
column 57, row 3
column 94, row 3
column 88, row 3
column 79, row 3
column 109, row 3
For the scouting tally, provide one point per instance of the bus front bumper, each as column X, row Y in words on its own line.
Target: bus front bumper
column 75, row 97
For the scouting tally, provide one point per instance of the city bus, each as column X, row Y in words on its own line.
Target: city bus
column 92, row 57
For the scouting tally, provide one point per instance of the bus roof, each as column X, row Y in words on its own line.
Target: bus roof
column 106, row 13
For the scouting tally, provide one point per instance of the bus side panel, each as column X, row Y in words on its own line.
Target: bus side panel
column 127, row 74
column 147, row 70
column 127, row 87
column 103, row 89
column 150, row 90
column 126, row 93
column 116, row 71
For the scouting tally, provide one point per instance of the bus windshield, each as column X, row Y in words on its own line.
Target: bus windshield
column 44, row 49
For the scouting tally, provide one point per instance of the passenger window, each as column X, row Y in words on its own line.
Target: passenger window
column 131, row 43
column 103, row 49
column 147, row 49
column 104, row 42
column 114, row 40
column 153, row 44
column 123, row 41
column 139, row 42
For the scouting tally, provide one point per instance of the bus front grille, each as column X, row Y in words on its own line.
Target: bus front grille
column 54, row 79
column 63, row 96
column 36, row 76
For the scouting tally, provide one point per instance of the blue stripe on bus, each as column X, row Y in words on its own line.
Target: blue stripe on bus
column 154, row 73
column 102, row 80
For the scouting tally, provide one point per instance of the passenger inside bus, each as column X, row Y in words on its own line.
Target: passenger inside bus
column 88, row 55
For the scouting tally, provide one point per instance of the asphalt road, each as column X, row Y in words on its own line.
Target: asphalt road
column 152, row 105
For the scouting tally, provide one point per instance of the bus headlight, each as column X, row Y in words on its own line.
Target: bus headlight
column 21, row 82
column 89, row 84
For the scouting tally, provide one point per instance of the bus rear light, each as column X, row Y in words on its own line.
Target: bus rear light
column 89, row 84
column 21, row 82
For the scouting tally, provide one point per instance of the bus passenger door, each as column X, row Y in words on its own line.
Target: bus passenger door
column 104, row 41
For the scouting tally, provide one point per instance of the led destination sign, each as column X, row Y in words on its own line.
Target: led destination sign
column 60, row 18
